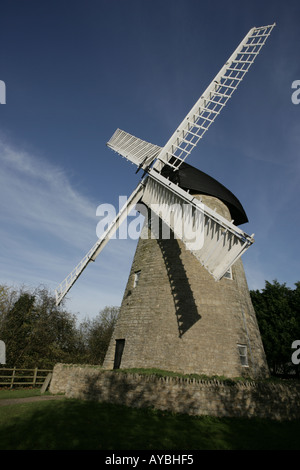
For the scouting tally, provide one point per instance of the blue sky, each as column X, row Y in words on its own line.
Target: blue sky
column 76, row 70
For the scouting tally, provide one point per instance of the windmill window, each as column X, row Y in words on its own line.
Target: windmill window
column 136, row 278
column 228, row 274
column 242, row 348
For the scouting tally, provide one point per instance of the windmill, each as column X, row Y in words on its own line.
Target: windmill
column 186, row 306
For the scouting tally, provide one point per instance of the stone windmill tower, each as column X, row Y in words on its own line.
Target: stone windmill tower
column 175, row 316
column 186, row 306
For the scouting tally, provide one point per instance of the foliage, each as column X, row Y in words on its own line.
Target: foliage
column 277, row 309
column 97, row 333
column 37, row 333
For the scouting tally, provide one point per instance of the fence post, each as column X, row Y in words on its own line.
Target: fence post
column 34, row 376
column 12, row 377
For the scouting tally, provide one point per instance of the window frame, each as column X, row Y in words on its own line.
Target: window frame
column 137, row 275
column 228, row 275
column 242, row 348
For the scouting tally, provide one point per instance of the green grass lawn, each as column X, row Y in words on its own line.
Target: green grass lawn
column 81, row 425
column 20, row 393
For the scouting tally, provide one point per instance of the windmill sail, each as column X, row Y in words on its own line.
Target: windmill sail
column 203, row 113
column 212, row 239
column 136, row 150
column 213, row 100
column 68, row 282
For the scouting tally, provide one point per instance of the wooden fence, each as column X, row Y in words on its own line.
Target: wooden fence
column 24, row 377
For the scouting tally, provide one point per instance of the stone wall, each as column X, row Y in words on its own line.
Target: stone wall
column 179, row 395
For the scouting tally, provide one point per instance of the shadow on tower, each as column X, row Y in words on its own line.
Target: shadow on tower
column 184, row 302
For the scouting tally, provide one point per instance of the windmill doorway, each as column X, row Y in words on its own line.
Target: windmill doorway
column 120, row 343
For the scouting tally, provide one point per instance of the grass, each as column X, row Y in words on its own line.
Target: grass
column 20, row 393
column 69, row 424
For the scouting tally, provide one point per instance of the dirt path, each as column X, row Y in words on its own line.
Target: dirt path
column 13, row 401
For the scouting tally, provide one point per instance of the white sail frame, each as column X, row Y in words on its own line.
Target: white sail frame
column 68, row 282
column 213, row 100
column 135, row 150
column 219, row 242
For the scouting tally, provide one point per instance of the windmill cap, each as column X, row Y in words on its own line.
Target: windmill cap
column 192, row 179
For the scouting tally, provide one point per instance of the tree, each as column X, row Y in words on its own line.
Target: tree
column 96, row 334
column 16, row 328
column 278, row 314
column 37, row 333
column 8, row 297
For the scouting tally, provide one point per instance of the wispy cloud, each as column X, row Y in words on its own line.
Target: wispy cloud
column 38, row 196
column 47, row 226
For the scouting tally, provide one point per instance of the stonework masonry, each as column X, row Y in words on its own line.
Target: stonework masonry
column 179, row 395
column 178, row 318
